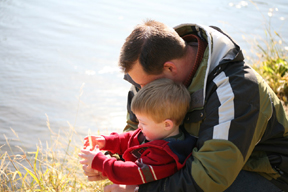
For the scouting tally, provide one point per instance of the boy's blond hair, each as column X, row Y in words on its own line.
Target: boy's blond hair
column 162, row 99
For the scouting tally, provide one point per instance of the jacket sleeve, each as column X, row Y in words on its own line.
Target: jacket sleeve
column 181, row 181
column 230, row 130
column 233, row 125
column 117, row 143
column 155, row 164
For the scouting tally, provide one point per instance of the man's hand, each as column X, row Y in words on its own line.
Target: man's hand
column 120, row 188
column 92, row 174
column 96, row 140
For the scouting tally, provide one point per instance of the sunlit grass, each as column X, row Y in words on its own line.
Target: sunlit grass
column 272, row 63
column 53, row 168
column 271, row 57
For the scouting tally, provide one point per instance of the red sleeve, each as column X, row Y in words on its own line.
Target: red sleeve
column 155, row 165
column 117, row 143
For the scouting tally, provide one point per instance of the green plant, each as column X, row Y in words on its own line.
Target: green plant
column 272, row 64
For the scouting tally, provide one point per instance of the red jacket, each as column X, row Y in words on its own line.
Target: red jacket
column 143, row 163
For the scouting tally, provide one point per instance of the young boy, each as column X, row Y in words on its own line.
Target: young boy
column 155, row 150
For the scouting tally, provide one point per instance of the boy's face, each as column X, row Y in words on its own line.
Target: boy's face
column 151, row 129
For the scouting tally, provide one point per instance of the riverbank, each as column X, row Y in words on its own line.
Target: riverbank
column 55, row 166
column 52, row 167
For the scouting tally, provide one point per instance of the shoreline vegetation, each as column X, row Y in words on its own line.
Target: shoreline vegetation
column 56, row 166
column 272, row 64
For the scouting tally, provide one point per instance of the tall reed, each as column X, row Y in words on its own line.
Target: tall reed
column 272, row 63
column 53, row 168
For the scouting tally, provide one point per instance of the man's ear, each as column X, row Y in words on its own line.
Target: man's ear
column 170, row 67
column 168, row 123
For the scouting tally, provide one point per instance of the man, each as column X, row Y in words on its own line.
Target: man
column 240, row 123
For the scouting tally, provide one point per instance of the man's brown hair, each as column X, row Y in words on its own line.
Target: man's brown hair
column 162, row 99
column 153, row 44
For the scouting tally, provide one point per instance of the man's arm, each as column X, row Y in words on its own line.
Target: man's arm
column 227, row 136
column 179, row 182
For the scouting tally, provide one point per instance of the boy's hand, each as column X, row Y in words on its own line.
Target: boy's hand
column 96, row 140
column 120, row 188
column 88, row 156
column 92, row 174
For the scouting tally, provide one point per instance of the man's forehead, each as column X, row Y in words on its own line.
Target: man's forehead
column 139, row 77
column 143, row 79
column 130, row 80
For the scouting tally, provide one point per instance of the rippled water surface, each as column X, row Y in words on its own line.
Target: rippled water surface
column 59, row 58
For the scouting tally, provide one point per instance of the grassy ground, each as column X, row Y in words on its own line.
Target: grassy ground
column 53, row 168
column 272, row 64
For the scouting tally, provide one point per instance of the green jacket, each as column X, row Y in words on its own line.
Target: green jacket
column 239, row 121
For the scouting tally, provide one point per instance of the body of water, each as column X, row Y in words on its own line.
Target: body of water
column 60, row 58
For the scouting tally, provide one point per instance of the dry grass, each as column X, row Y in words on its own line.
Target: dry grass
column 53, row 168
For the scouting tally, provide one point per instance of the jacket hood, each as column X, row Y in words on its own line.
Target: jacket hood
column 222, row 49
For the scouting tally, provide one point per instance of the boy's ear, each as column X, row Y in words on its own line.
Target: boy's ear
column 168, row 123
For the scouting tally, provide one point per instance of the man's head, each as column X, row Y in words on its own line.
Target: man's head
column 151, row 44
column 162, row 99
